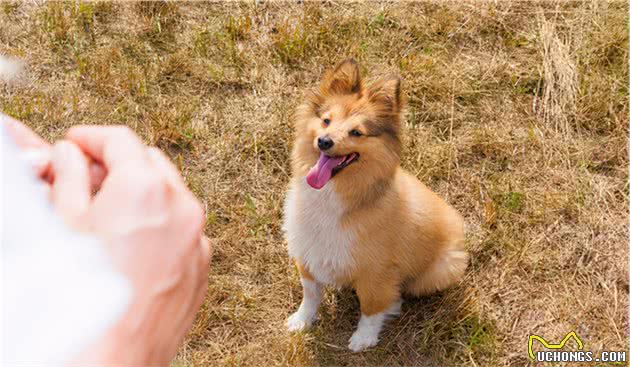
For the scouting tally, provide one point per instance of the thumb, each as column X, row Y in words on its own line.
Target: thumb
column 71, row 189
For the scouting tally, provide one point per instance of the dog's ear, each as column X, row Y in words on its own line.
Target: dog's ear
column 345, row 78
column 386, row 92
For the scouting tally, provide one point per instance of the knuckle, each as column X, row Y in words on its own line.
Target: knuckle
column 123, row 133
column 192, row 215
column 151, row 188
column 74, row 129
column 121, row 130
column 66, row 156
column 68, row 147
column 197, row 207
column 157, row 188
column 207, row 251
column 196, row 213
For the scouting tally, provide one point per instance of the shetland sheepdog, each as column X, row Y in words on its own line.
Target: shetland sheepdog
column 353, row 216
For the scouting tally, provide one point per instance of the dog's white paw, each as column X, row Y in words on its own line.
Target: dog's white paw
column 298, row 322
column 361, row 341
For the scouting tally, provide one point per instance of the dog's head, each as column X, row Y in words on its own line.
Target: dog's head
column 347, row 128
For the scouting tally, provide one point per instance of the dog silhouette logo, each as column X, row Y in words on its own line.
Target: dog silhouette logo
column 547, row 345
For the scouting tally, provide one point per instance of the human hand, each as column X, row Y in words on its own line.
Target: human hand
column 151, row 224
column 37, row 152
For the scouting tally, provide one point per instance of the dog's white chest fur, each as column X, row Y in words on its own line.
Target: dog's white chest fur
column 312, row 223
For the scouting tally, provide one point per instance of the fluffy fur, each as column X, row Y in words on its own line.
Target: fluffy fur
column 373, row 226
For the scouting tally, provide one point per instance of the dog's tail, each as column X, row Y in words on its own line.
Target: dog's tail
column 445, row 271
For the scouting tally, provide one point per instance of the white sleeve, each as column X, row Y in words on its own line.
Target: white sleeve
column 59, row 289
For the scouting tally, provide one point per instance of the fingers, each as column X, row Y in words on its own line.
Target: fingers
column 71, row 188
column 204, row 263
column 97, row 175
column 115, row 145
column 36, row 151
column 207, row 247
column 111, row 145
column 200, row 275
column 39, row 160
column 194, row 211
column 21, row 134
column 166, row 167
column 199, row 296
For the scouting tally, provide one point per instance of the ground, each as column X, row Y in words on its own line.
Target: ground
column 517, row 115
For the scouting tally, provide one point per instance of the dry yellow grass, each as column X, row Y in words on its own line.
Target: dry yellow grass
column 517, row 115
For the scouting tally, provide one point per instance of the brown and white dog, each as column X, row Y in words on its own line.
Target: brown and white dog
column 353, row 216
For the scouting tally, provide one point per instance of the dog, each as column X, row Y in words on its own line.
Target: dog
column 353, row 216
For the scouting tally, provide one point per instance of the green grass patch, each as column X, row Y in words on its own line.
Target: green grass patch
column 513, row 201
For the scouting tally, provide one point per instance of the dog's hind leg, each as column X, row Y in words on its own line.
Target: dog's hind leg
column 379, row 296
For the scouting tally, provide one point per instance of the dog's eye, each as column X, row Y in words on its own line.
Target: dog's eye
column 326, row 122
column 355, row 132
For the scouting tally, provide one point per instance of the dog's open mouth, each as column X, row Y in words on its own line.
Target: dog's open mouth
column 327, row 167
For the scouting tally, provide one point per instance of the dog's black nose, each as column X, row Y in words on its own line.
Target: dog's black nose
column 325, row 143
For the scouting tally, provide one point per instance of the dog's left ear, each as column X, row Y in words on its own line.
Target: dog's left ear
column 386, row 92
column 345, row 78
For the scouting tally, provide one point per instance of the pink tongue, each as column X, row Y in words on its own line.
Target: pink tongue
column 321, row 172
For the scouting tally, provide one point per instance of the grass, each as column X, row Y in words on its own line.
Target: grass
column 518, row 115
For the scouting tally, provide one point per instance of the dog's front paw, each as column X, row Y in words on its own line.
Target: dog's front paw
column 361, row 341
column 298, row 322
